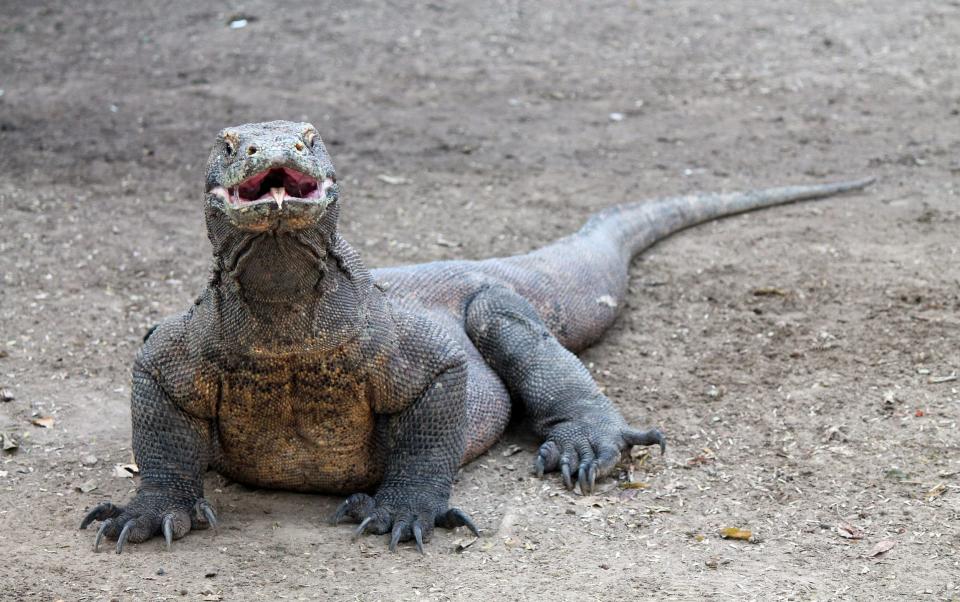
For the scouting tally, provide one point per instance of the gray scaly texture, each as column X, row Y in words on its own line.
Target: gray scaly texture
column 298, row 368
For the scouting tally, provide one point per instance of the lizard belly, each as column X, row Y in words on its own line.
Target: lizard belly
column 304, row 426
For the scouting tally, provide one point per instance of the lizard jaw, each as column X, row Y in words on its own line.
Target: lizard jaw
column 276, row 199
column 275, row 185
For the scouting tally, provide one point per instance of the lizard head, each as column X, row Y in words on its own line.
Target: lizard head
column 270, row 176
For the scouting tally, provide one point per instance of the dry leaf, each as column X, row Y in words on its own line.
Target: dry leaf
column 734, row 533
column 884, row 545
column 44, row 421
column 461, row 546
column 388, row 179
column 9, row 442
column 125, row 471
column 936, row 491
column 634, row 485
column 513, row 449
column 87, row 486
column 935, row 380
column 769, row 291
column 714, row 562
column 849, row 531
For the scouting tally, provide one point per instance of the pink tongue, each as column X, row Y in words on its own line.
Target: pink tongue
column 295, row 185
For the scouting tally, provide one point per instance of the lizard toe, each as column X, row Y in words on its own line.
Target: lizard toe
column 587, row 449
column 145, row 517
column 404, row 518
column 356, row 507
column 455, row 517
column 101, row 512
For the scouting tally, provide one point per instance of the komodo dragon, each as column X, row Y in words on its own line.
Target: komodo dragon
column 298, row 368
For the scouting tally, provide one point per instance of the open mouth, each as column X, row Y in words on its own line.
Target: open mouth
column 279, row 184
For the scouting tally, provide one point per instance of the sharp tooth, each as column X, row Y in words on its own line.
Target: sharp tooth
column 221, row 192
column 236, row 196
column 278, row 194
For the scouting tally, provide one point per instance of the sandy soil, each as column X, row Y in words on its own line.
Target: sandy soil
column 801, row 360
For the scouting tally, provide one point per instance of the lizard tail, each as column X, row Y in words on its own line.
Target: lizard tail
column 633, row 227
column 578, row 283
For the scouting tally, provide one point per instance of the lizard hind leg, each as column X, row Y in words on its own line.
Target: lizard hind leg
column 583, row 432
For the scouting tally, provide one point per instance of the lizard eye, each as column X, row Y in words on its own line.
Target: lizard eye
column 230, row 143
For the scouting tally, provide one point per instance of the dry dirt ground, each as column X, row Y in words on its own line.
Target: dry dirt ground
column 802, row 360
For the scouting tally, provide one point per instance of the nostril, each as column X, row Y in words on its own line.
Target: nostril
column 298, row 146
column 251, row 150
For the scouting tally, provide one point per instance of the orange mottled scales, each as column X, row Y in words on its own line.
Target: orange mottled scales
column 303, row 423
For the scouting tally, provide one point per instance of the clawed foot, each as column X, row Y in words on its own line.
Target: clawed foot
column 405, row 517
column 590, row 449
column 148, row 515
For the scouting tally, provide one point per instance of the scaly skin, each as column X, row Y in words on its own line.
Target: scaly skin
column 297, row 368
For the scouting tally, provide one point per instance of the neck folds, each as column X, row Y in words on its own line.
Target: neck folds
column 280, row 268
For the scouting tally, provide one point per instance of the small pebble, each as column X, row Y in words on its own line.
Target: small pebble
column 88, row 460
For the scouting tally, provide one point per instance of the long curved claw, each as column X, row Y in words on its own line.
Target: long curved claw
column 418, row 535
column 208, row 514
column 650, row 437
column 565, row 471
column 363, row 527
column 398, row 528
column 340, row 513
column 582, row 479
column 103, row 529
column 168, row 530
column 592, row 476
column 101, row 511
column 124, row 534
column 356, row 506
column 455, row 517
column 538, row 466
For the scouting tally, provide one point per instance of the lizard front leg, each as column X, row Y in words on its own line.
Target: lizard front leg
column 583, row 431
column 424, row 444
column 171, row 448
